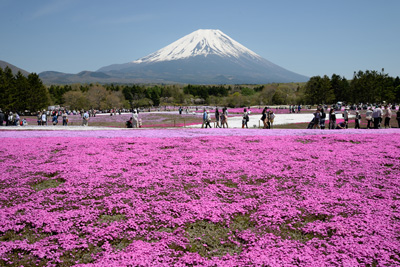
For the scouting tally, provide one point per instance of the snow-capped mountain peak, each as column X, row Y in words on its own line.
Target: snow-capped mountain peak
column 201, row 42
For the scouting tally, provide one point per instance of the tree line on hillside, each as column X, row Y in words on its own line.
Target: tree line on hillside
column 102, row 97
column 365, row 87
column 19, row 93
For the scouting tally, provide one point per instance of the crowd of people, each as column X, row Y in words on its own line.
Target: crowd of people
column 11, row 119
column 373, row 115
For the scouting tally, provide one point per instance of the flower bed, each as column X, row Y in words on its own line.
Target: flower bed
column 196, row 197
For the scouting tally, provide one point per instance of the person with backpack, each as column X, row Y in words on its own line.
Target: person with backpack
column 387, row 115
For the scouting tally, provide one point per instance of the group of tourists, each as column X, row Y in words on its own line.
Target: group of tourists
column 374, row 117
column 294, row 108
column 44, row 116
column 11, row 119
column 221, row 118
column 134, row 121
column 267, row 117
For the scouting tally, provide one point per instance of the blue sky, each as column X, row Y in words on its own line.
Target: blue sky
column 309, row 37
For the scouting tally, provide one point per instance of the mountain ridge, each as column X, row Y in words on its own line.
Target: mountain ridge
column 14, row 69
column 204, row 56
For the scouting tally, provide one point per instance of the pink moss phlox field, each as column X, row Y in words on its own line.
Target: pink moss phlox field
column 136, row 198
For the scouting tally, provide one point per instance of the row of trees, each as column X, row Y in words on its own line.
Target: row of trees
column 20, row 93
column 365, row 87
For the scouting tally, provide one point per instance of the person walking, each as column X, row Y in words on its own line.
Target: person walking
column 204, row 118
column 208, row 119
column 224, row 120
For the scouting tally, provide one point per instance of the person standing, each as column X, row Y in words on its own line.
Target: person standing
column 135, row 119
column 398, row 117
column 39, row 118
column 85, row 119
column 388, row 116
column 368, row 117
column 317, row 118
column 377, row 116
column 271, row 118
column 65, row 118
column 346, row 117
column 332, row 118
column 44, row 118
column 2, row 117
column 264, row 118
column 357, row 120
column 322, row 120
column 245, row 118
column 225, row 117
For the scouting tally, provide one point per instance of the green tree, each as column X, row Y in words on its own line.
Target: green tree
column 75, row 100
column 318, row 90
column 278, row 98
column 39, row 97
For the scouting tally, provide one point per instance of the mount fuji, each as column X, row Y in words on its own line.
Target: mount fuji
column 204, row 57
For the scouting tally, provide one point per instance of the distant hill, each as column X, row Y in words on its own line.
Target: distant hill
column 54, row 77
column 13, row 68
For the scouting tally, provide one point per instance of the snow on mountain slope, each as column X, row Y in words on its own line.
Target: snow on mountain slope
column 201, row 42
